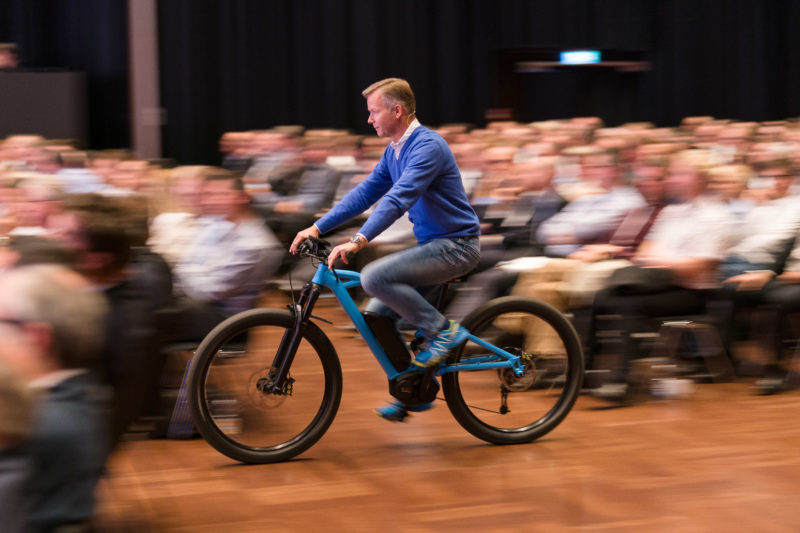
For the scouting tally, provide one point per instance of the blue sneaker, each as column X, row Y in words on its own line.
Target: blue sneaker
column 398, row 411
column 441, row 344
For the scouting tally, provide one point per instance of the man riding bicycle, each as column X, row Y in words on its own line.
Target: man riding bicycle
column 417, row 174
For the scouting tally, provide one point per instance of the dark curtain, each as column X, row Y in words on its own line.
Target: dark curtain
column 244, row 64
column 247, row 64
column 78, row 35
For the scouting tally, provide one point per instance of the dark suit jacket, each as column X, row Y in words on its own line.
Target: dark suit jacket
column 68, row 449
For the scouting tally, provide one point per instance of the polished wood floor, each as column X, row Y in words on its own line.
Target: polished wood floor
column 721, row 459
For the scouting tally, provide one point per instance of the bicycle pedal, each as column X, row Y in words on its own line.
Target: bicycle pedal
column 392, row 412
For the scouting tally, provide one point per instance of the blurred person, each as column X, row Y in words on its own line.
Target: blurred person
column 592, row 217
column 496, row 170
column 9, row 59
column 570, row 283
column 103, row 165
column 74, row 175
column 129, row 176
column 229, row 260
column 237, row 150
column 172, row 231
column 19, row 150
column 101, row 232
column 534, row 200
column 290, row 212
column 417, row 174
column 23, row 250
column 38, row 197
column 768, row 229
column 673, row 266
column 52, row 333
column 774, row 297
column 759, row 269
column 16, row 468
column 274, row 161
column 729, row 183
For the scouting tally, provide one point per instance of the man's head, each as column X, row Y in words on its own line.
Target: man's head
column 223, row 194
column 601, row 168
column 50, row 320
column 780, row 173
column 391, row 107
column 99, row 231
column 687, row 175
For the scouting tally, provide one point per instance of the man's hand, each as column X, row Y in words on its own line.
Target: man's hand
column 310, row 231
column 751, row 281
column 340, row 252
column 790, row 276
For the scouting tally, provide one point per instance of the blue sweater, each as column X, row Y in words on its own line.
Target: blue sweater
column 425, row 181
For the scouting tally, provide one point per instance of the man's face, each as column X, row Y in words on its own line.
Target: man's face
column 220, row 197
column 384, row 119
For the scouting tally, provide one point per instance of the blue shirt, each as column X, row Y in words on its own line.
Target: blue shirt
column 423, row 181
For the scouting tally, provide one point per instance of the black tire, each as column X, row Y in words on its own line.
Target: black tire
column 241, row 421
column 536, row 402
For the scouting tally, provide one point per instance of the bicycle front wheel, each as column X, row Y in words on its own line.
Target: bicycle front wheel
column 497, row 405
column 229, row 396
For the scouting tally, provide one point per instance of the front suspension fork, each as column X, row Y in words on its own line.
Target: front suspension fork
column 279, row 372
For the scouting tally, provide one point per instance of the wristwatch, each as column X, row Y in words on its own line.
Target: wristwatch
column 359, row 239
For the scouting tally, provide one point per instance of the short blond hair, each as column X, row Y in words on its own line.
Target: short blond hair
column 394, row 91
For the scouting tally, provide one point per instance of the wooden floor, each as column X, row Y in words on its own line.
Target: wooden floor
column 719, row 460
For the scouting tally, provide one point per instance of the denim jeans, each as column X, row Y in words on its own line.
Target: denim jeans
column 399, row 280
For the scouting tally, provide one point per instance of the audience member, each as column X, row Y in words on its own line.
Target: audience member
column 677, row 260
column 172, row 231
column 52, row 326
column 229, row 260
column 101, row 233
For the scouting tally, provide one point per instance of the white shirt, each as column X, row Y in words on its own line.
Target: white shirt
column 397, row 146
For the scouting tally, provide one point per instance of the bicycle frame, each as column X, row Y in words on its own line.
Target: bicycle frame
column 340, row 281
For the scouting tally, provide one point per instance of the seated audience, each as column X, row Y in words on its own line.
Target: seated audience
column 677, row 260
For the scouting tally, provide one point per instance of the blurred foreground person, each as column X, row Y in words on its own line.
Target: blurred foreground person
column 52, row 329
column 100, row 233
column 16, row 420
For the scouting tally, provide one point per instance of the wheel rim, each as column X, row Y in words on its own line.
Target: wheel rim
column 241, row 414
column 498, row 404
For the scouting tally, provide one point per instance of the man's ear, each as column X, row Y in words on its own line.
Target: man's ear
column 398, row 111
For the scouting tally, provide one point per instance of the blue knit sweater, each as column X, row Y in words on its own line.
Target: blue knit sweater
column 425, row 181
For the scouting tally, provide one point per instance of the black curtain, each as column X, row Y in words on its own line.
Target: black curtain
column 78, row 35
column 245, row 64
column 249, row 64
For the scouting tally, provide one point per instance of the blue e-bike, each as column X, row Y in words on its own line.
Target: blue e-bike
column 265, row 384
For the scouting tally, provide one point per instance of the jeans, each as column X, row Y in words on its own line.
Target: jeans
column 399, row 280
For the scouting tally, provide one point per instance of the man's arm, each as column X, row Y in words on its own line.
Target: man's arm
column 424, row 165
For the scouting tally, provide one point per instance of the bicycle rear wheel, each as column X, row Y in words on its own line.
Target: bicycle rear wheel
column 228, row 401
column 496, row 405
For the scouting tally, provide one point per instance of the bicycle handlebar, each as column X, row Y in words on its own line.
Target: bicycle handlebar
column 318, row 249
column 314, row 247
